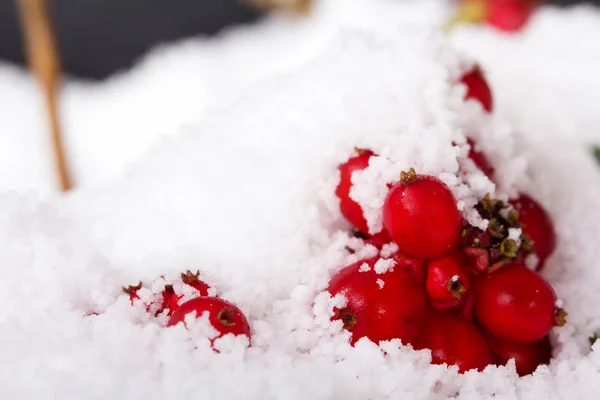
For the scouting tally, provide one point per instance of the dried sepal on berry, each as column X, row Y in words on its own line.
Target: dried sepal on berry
column 493, row 249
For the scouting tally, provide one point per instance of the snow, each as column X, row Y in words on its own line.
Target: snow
column 191, row 162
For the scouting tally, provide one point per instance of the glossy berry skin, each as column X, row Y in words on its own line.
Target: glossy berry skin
column 422, row 218
column 224, row 316
column 515, row 304
column 453, row 341
column 478, row 88
column 527, row 356
column 538, row 226
column 448, row 281
column 394, row 310
column 508, row 15
column 194, row 281
column 480, row 159
column 350, row 209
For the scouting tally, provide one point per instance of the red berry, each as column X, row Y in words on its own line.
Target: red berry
column 383, row 306
column 351, row 210
column 414, row 266
column 448, row 281
column 508, row 15
column 421, row 216
column 224, row 316
column 453, row 341
column 170, row 300
column 194, row 281
column 480, row 159
column 527, row 356
column 478, row 89
column 538, row 227
column 516, row 304
column 132, row 292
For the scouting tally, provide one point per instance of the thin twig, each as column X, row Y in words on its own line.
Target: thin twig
column 44, row 63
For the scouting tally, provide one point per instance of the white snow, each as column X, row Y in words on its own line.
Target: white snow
column 190, row 161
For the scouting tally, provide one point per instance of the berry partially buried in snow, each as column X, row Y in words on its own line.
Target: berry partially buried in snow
column 385, row 306
column 350, row 209
column 453, row 341
column 537, row 226
column 478, row 88
column 224, row 316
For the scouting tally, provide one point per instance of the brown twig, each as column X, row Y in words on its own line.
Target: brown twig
column 44, row 63
column 290, row 6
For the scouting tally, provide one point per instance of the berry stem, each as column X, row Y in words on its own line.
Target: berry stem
column 456, row 287
column 408, row 177
column 560, row 317
column 44, row 63
column 469, row 11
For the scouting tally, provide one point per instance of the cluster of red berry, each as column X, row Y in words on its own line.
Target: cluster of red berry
column 224, row 316
column 505, row 15
column 460, row 291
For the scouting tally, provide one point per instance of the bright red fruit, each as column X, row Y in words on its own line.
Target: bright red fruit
column 414, row 266
column 383, row 306
column 516, row 304
column 508, row 15
column 170, row 300
column 453, row 341
column 480, row 159
column 132, row 292
column 351, row 210
column 448, row 281
column 477, row 88
column 537, row 225
column 224, row 316
column 421, row 216
column 194, row 281
column 527, row 356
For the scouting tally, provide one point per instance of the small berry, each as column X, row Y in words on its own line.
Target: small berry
column 194, row 281
column 537, row 226
column 477, row 88
column 516, row 304
column 453, row 341
column 414, row 266
column 170, row 300
column 527, row 356
column 350, row 209
column 394, row 309
column 508, row 15
column 421, row 216
column 224, row 316
column 448, row 281
column 480, row 159
column 132, row 292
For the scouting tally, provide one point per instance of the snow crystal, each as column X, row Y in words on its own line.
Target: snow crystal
column 387, row 250
column 384, row 265
column 380, row 283
column 191, row 162
column 364, row 267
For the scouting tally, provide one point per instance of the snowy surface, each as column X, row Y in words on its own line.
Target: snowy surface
column 221, row 156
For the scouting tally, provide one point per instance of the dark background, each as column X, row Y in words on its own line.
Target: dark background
column 98, row 37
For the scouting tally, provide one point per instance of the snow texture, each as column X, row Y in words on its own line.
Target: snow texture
column 221, row 155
